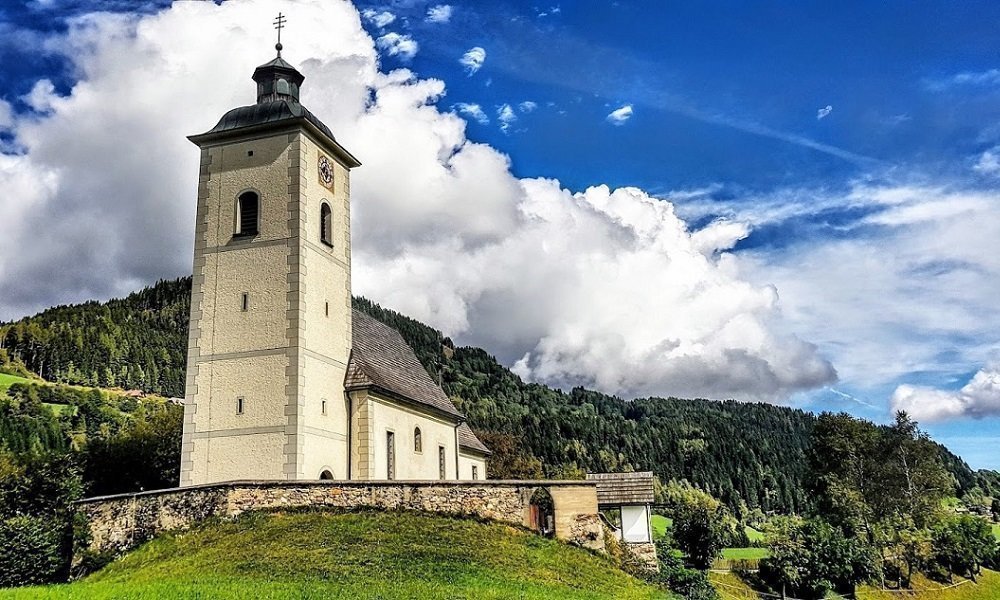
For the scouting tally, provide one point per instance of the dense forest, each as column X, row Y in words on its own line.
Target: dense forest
column 842, row 502
column 748, row 455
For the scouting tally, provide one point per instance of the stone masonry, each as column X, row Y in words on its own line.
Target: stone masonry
column 122, row 522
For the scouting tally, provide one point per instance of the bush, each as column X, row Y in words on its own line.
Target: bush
column 963, row 545
column 674, row 575
column 33, row 550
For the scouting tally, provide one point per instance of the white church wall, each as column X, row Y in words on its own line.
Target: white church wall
column 325, row 337
column 259, row 272
column 389, row 416
column 325, row 433
column 466, row 462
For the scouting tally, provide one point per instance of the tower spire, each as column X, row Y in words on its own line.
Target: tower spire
column 279, row 24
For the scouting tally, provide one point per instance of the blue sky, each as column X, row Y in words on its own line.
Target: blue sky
column 837, row 163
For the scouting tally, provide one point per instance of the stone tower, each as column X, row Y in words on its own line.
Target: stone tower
column 270, row 333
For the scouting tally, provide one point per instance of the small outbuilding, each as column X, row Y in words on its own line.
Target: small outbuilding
column 625, row 500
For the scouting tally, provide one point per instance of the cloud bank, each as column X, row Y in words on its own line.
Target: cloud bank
column 979, row 398
column 604, row 287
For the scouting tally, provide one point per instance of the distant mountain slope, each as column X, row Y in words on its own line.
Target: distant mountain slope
column 358, row 555
column 741, row 452
column 138, row 342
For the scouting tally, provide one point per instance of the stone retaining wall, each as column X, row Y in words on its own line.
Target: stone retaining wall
column 120, row 523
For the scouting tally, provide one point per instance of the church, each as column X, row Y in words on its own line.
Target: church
column 285, row 381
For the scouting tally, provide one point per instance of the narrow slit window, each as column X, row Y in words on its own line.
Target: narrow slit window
column 442, row 463
column 247, row 214
column 245, row 302
column 418, row 442
column 390, row 449
column 323, row 407
column 326, row 224
column 475, row 472
column 239, row 406
column 326, row 309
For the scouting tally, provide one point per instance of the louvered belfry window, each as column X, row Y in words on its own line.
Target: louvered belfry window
column 326, row 224
column 248, row 214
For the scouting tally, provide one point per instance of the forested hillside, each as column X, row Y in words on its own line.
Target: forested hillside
column 139, row 342
column 748, row 455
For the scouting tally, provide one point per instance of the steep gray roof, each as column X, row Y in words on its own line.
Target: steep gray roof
column 381, row 359
column 467, row 440
column 268, row 112
column 623, row 488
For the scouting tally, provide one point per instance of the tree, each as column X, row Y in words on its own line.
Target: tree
column 509, row 459
column 963, row 544
column 907, row 549
column 702, row 525
column 914, row 480
column 810, row 558
column 144, row 455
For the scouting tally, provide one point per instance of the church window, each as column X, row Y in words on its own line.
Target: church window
column 323, row 407
column 326, row 224
column 247, row 213
column 326, row 475
column 442, row 463
column 326, row 309
column 390, row 449
column 239, row 406
column 245, row 302
column 282, row 87
column 475, row 472
column 418, row 442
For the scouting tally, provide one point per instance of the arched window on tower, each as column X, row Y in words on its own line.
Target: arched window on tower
column 247, row 214
column 326, row 224
column 418, row 441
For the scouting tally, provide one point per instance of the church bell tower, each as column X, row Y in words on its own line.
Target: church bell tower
column 270, row 332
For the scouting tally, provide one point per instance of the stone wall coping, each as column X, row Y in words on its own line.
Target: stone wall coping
column 278, row 483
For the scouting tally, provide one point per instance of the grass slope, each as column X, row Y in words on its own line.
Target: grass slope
column 8, row 380
column 357, row 555
column 660, row 525
column 988, row 588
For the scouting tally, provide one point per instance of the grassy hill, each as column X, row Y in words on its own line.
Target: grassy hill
column 987, row 588
column 357, row 555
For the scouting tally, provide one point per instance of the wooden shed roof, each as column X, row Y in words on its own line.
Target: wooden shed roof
column 623, row 488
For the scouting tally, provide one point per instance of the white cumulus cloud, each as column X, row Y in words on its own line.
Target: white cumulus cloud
column 527, row 106
column 440, row 13
column 979, row 398
column 474, row 111
column 620, row 115
column 506, row 116
column 894, row 279
column 473, row 60
column 379, row 18
column 824, row 112
column 396, row 44
column 603, row 287
column 988, row 162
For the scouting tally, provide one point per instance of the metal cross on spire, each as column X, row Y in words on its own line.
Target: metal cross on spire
column 279, row 24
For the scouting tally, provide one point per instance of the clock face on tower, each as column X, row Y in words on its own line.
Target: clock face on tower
column 325, row 172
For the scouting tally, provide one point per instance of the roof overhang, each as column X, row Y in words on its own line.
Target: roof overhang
column 378, row 390
column 463, row 449
column 215, row 138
